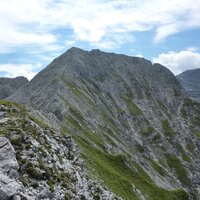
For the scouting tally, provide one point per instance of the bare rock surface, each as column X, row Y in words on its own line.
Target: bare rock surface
column 8, row 170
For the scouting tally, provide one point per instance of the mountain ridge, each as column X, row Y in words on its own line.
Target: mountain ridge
column 9, row 85
column 136, row 129
column 190, row 80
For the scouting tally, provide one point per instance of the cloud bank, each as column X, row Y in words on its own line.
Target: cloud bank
column 35, row 25
column 94, row 21
column 14, row 70
column 178, row 62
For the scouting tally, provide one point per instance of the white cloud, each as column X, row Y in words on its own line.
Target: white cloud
column 194, row 49
column 14, row 70
column 178, row 62
column 70, row 42
column 113, row 41
column 94, row 21
column 20, row 25
column 165, row 31
column 139, row 55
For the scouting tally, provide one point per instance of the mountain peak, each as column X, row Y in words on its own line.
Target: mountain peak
column 71, row 52
column 190, row 80
column 79, row 50
column 95, row 51
column 74, row 49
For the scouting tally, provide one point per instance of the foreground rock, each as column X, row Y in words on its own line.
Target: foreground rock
column 48, row 164
column 8, row 170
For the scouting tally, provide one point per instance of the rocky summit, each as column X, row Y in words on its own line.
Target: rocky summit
column 191, row 82
column 98, row 125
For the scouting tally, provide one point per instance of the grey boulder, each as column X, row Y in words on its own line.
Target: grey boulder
column 8, row 167
column 8, row 187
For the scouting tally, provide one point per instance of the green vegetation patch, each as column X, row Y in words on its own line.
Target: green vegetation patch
column 183, row 153
column 157, row 167
column 139, row 148
column 196, row 132
column 191, row 108
column 83, row 131
column 111, row 122
column 191, row 103
column 38, row 121
column 175, row 164
column 167, row 129
column 13, row 104
column 148, row 131
column 190, row 146
column 133, row 108
column 196, row 121
column 118, row 177
column 77, row 91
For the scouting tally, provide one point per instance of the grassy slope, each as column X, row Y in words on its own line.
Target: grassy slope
column 117, row 176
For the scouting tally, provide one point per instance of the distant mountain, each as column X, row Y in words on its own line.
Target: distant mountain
column 9, row 85
column 191, row 82
column 136, row 130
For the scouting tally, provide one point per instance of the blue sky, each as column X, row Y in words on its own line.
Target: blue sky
column 34, row 32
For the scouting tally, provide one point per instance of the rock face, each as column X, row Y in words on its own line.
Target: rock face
column 8, row 170
column 9, row 85
column 137, row 131
column 191, row 82
column 8, row 162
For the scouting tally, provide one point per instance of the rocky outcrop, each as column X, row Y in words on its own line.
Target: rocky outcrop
column 48, row 164
column 8, row 162
column 10, row 85
column 9, row 187
column 190, row 80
